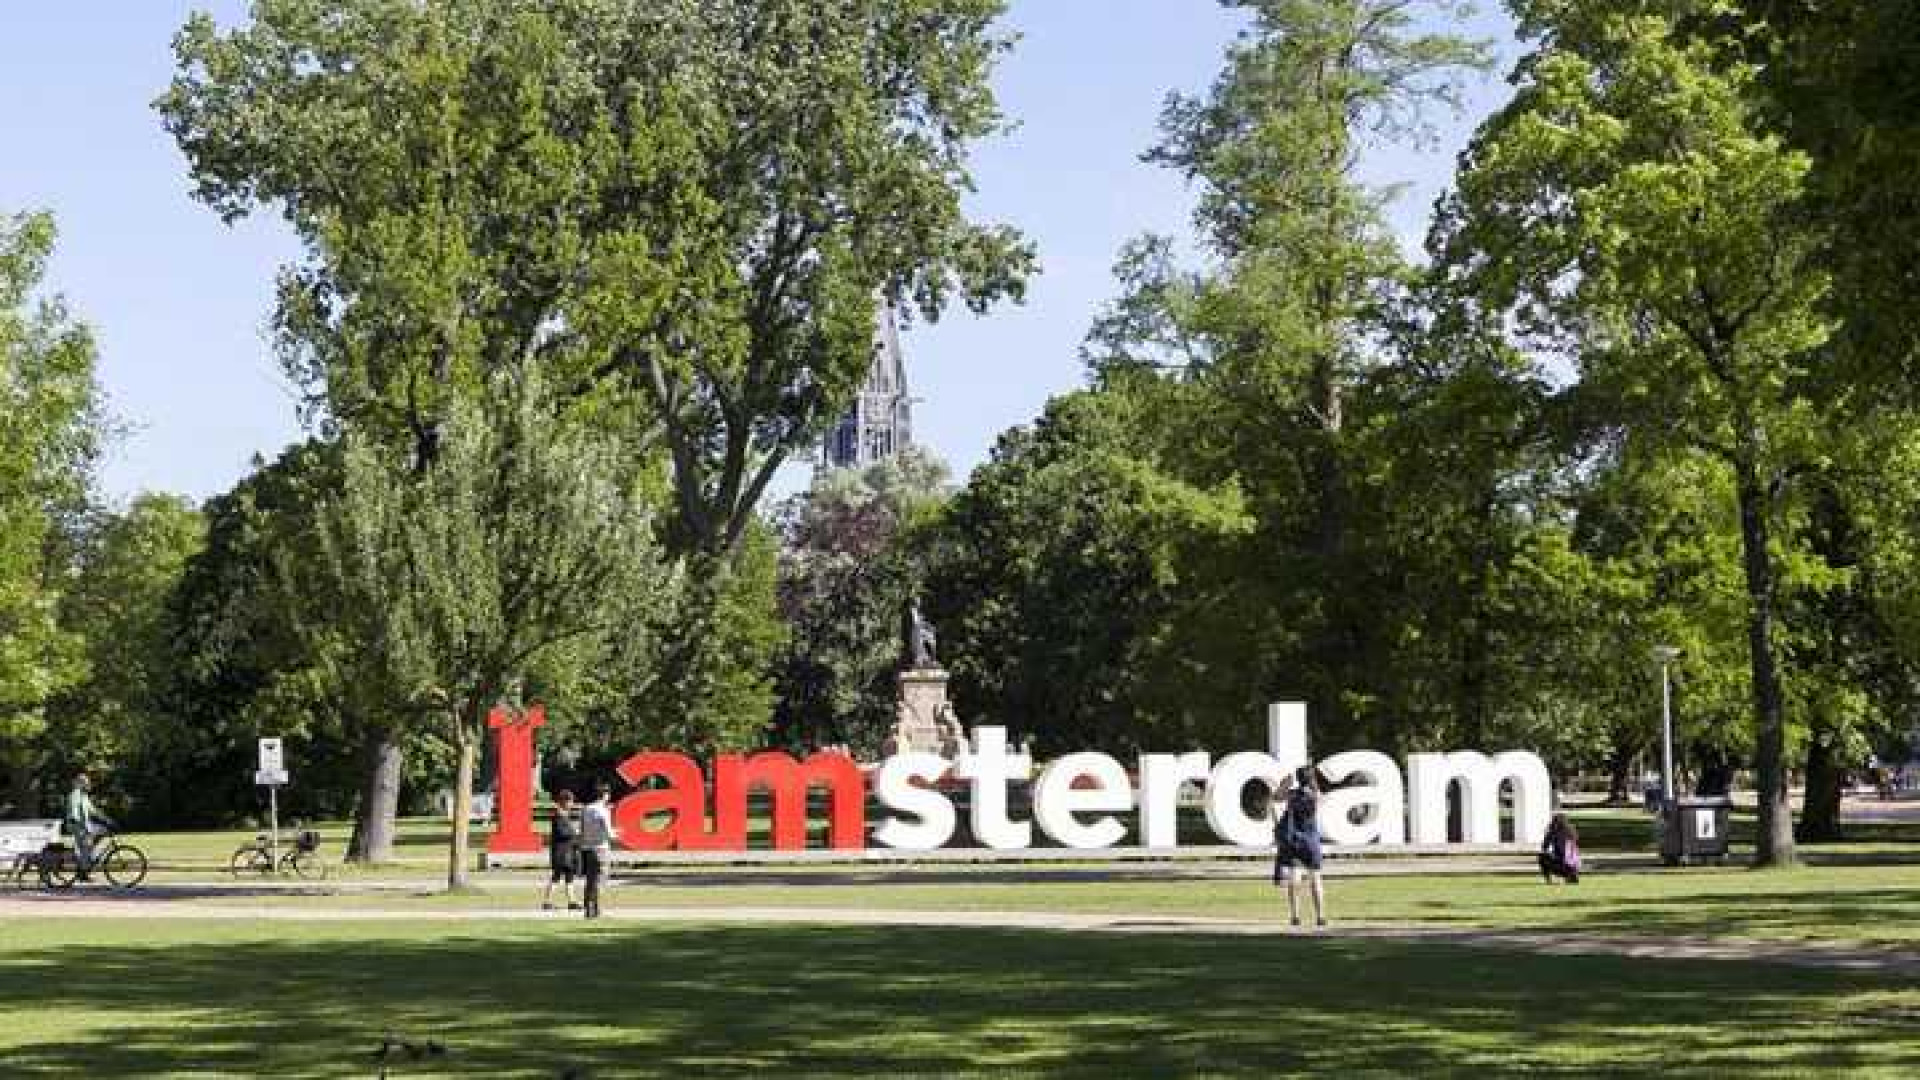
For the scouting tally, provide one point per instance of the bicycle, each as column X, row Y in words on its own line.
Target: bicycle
column 29, row 867
column 302, row 859
column 58, row 865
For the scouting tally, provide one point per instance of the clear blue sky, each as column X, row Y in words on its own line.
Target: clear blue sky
column 179, row 301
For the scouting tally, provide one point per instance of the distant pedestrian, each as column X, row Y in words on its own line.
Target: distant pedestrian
column 596, row 844
column 1560, row 851
column 563, row 851
column 1296, row 843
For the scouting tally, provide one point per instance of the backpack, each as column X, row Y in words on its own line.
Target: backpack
column 1298, row 821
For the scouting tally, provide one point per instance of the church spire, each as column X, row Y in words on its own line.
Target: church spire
column 880, row 423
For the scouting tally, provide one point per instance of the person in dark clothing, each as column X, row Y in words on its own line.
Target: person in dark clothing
column 1560, row 851
column 563, row 851
column 1296, row 844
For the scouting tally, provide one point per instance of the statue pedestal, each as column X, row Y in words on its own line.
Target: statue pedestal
column 924, row 721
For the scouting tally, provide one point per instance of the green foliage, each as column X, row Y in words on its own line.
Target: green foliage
column 128, row 567
column 701, row 200
column 1842, row 84
column 849, row 566
column 528, row 553
column 1268, row 352
column 684, row 213
column 50, row 428
column 1077, row 586
column 1650, row 557
column 709, row 685
column 1632, row 207
column 525, row 556
column 238, row 670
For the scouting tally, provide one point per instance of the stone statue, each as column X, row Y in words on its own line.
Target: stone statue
column 922, row 643
column 953, row 737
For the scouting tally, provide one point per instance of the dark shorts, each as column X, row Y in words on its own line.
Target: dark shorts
column 564, row 862
column 1303, row 851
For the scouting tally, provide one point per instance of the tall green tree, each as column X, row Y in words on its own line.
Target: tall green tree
column 529, row 554
column 240, row 669
column 695, row 206
column 1631, row 208
column 1278, row 333
column 50, row 429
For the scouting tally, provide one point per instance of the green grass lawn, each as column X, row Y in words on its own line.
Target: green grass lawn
column 418, row 842
column 110, row 998
column 1876, row 905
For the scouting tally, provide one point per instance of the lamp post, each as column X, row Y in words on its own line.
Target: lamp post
column 1666, row 655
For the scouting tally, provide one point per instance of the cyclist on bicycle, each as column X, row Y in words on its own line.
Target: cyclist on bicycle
column 84, row 822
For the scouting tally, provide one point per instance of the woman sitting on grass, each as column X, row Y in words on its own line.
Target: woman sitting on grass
column 1560, row 851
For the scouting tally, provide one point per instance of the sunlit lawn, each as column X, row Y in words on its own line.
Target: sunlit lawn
column 1835, row 904
column 161, row 997
column 1876, row 904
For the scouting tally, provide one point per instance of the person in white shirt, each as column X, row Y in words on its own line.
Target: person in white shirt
column 596, row 845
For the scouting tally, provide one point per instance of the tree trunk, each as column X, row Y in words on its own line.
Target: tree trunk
column 1620, row 774
column 22, row 797
column 465, row 739
column 1716, row 774
column 1820, row 813
column 1774, row 846
column 1337, row 645
column 374, row 826
column 1476, row 645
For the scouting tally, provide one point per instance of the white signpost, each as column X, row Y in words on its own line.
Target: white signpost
column 270, row 775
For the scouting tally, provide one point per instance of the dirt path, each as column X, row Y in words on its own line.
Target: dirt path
column 1861, row 959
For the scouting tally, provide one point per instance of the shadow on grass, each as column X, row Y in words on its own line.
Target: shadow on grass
column 1862, row 913
column 1715, row 909
column 622, row 1001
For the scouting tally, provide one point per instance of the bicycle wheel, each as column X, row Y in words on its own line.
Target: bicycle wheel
column 308, row 865
column 59, row 869
column 24, row 871
column 250, row 860
column 125, row 866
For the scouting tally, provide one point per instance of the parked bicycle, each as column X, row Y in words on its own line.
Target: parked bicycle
column 57, row 866
column 301, row 858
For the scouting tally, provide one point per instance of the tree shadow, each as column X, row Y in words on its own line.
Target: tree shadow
column 1856, row 913
column 736, row 1001
column 1885, row 915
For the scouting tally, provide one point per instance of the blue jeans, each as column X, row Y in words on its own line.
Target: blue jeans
column 83, row 848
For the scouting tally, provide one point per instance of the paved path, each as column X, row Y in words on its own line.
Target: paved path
column 184, row 879
column 1861, row 959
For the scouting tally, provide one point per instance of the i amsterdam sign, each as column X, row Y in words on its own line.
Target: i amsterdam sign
column 1076, row 799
